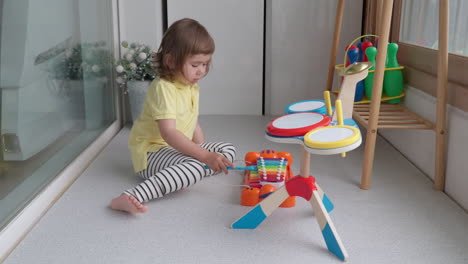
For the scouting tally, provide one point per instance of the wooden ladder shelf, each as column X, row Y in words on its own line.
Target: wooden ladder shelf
column 378, row 115
column 391, row 116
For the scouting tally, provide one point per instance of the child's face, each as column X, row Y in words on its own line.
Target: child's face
column 195, row 68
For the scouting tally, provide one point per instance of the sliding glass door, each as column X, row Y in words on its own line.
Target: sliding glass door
column 56, row 93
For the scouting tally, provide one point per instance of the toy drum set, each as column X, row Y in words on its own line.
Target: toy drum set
column 319, row 132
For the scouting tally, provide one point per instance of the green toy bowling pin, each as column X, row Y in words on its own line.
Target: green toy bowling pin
column 393, row 80
column 371, row 52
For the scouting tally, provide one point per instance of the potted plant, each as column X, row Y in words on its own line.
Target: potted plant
column 135, row 70
column 80, row 76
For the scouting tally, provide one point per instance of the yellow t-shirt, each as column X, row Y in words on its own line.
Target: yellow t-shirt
column 164, row 100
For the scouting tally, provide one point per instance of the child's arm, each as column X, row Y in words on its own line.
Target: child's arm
column 180, row 142
column 198, row 136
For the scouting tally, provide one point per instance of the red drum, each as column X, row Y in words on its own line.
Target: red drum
column 297, row 124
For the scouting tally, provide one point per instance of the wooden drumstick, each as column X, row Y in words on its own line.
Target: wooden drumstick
column 339, row 113
column 249, row 168
column 326, row 96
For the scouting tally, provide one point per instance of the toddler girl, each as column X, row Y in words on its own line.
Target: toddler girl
column 166, row 141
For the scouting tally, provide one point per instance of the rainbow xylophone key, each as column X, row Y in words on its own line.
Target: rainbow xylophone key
column 271, row 169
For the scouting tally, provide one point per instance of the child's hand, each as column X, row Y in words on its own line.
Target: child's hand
column 217, row 162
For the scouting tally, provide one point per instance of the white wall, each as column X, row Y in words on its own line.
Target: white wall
column 419, row 145
column 234, row 84
column 141, row 21
column 299, row 48
column 298, row 39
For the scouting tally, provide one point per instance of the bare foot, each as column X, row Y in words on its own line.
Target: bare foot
column 128, row 203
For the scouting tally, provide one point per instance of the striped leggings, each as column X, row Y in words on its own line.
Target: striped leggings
column 169, row 170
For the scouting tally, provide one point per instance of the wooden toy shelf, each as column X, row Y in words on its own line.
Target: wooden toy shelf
column 377, row 114
column 391, row 116
column 384, row 98
column 365, row 100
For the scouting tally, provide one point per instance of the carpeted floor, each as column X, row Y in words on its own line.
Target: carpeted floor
column 401, row 219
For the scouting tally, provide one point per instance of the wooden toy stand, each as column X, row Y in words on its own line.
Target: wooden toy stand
column 376, row 115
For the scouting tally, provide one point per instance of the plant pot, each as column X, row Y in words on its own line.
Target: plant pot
column 136, row 96
column 94, row 102
column 75, row 100
column 68, row 95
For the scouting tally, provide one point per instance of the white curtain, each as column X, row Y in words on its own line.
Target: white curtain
column 419, row 24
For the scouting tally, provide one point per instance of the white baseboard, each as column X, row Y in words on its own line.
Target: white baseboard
column 20, row 226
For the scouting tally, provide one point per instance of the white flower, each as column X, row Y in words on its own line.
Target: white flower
column 119, row 68
column 133, row 66
column 129, row 57
column 131, row 51
column 141, row 56
column 84, row 65
column 120, row 80
column 68, row 53
column 95, row 68
column 125, row 44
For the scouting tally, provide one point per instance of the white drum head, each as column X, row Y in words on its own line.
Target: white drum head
column 331, row 134
column 297, row 120
column 306, row 106
column 332, row 140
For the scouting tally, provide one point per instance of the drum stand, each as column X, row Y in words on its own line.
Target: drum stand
column 305, row 187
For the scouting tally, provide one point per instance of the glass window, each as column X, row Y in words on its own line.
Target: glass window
column 55, row 87
column 419, row 24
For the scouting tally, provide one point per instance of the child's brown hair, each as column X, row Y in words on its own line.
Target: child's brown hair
column 183, row 38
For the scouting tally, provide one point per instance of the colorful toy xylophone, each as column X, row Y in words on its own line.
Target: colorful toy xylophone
column 273, row 170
